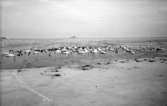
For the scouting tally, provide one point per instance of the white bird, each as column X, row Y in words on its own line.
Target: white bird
column 36, row 52
column 58, row 51
column 95, row 51
column 27, row 51
column 10, row 55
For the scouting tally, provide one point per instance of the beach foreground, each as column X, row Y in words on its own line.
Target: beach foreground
column 116, row 83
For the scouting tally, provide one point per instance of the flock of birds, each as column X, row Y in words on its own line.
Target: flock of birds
column 69, row 50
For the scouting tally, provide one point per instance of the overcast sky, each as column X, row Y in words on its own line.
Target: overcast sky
column 83, row 18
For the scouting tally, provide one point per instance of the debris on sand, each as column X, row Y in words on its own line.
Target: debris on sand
column 151, row 60
column 56, row 74
column 19, row 70
column 123, row 61
column 141, row 59
column 55, row 69
column 145, row 59
column 137, row 60
column 53, row 72
column 134, row 68
column 103, row 63
column 99, row 63
column 86, row 67
column 108, row 62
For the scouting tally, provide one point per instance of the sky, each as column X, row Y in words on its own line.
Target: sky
column 83, row 18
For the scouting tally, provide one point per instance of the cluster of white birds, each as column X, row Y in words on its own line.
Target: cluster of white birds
column 69, row 50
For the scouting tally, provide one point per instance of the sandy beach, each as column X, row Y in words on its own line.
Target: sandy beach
column 116, row 84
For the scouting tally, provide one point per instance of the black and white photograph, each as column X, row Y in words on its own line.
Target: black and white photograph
column 83, row 52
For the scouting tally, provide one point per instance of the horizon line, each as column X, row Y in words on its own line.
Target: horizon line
column 85, row 37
